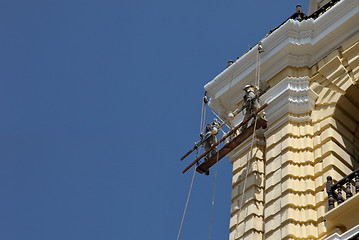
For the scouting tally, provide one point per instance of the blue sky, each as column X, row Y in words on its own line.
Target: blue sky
column 100, row 99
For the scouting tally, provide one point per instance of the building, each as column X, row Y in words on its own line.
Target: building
column 281, row 188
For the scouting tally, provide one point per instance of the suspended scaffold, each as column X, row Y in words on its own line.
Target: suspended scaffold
column 233, row 142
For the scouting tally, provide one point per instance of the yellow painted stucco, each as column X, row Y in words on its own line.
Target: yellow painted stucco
column 284, row 192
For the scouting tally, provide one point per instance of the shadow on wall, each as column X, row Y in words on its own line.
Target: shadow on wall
column 346, row 116
column 254, row 182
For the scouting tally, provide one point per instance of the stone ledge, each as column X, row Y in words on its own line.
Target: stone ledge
column 346, row 214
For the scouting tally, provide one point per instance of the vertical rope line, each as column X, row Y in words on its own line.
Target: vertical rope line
column 245, row 179
column 200, row 128
column 256, row 81
column 214, row 193
column 185, row 209
column 204, row 117
column 230, row 85
column 256, row 77
column 259, row 68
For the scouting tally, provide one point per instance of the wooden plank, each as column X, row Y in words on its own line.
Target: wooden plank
column 233, row 130
column 203, row 167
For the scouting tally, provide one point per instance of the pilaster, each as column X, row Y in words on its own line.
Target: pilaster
column 247, row 207
column 289, row 181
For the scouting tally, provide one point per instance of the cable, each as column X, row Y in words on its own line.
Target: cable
column 260, row 49
column 214, row 193
column 203, row 113
column 185, row 209
column 204, row 117
column 256, row 81
column 200, row 128
column 245, row 179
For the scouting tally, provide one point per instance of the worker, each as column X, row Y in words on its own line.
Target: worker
column 211, row 139
column 253, row 105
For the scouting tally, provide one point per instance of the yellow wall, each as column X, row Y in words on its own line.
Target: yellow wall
column 284, row 195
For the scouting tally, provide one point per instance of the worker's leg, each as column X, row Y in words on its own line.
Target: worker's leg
column 247, row 115
column 213, row 141
column 262, row 114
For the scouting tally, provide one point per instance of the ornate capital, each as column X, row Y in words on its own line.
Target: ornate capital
column 292, row 99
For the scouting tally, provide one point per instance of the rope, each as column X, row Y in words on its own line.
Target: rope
column 185, row 209
column 256, row 77
column 245, row 179
column 204, row 117
column 203, row 113
column 200, row 128
column 259, row 68
column 214, row 193
column 256, row 81
column 258, row 62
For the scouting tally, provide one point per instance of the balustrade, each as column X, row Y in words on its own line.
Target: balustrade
column 334, row 191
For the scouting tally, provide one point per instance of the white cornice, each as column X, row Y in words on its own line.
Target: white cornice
column 295, row 43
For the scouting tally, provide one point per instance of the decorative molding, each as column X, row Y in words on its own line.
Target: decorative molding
column 297, row 44
column 291, row 97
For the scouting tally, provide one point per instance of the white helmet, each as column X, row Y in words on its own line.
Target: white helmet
column 247, row 86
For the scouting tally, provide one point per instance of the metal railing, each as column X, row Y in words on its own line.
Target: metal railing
column 300, row 16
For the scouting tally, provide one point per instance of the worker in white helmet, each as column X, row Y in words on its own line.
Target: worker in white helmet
column 253, row 105
column 211, row 132
column 211, row 139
